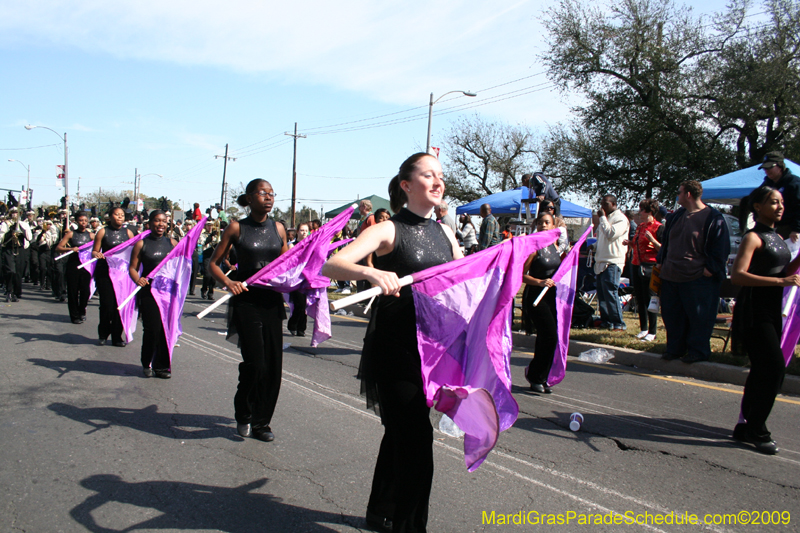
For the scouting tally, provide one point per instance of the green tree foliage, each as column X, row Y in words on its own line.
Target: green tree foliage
column 668, row 96
column 481, row 158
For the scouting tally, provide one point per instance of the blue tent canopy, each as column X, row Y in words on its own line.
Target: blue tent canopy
column 732, row 187
column 508, row 203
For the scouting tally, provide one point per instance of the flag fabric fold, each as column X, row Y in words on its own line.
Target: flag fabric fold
column 464, row 337
column 566, row 278
column 299, row 269
column 790, row 334
column 119, row 259
column 85, row 254
column 169, row 284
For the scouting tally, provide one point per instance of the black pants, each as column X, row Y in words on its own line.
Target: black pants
column 195, row 268
column 543, row 317
column 767, row 369
column 13, row 259
column 59, row 285
column 641, row 290
column 155, row 353
column 298, row 321
column 208, row 280
column 33, row 264
column 110, row 322
column 401, row 485
column 78, row 281
column 45, row 268
column 260, row 332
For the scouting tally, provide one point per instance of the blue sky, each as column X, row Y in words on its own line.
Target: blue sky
column 163, row 86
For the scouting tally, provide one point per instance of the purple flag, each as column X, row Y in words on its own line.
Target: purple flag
column 85, row 254
column 119, row 259
column 338, row 244
column 791, row 324
column 566, row 280
column 169, row 283
column 299, row 269
column 464, row 337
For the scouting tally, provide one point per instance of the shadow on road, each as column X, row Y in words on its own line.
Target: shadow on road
column 64, row 338
column 190, row 506
column 102, row 368
column 148, row 419
column 45, row 317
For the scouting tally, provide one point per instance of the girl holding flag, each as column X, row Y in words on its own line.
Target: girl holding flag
column 762, row 266
column 390, row 363
column 78, row 280
column 256, row 314
column 107, row 238
column 149, row 252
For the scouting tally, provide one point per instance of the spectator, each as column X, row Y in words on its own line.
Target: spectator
column 781, row 178
column 694, row 252
column 197, row 215
column 541, row 189
column 442, row 216
column 612, row 232
column 645, row 246
column 468, row 236
column 367, row 219
column 490, row 229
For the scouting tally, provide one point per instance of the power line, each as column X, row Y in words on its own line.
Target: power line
column 30, row 147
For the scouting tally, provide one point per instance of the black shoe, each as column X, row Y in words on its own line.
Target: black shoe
column 244, row 430
column 693, row 358
column 669, row 356
column 378, row 523
column 538, row 387
column 102, row 342
column 211, row 296
column 300, row 333
column 77, row 321
column 120, row 344
column 202, row 295
column 163, row 374
column 83, row 318
column 264, row 433
column 148, row 372
column 767, row 447
column 191, row 293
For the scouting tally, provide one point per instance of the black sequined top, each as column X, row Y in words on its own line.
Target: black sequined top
column 113, row 237
column 154, row 250
column 390, row 346
column 258, row 245
column 758, row 305
column 543, row 266
column 79, row 238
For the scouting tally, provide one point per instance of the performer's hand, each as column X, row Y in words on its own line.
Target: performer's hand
column 143, row 282
column 794, row 279
column 707, row 273
column 75, row 249
column 236, row 287
column 547, row 283
column 387, row 281
column 794, row 236
column 98, row 255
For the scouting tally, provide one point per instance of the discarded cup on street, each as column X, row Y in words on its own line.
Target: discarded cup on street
column 575, row 421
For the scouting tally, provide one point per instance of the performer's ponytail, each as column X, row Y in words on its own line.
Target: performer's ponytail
column 397, row 196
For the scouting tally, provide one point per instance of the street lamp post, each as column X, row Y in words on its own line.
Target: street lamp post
column 137, row 184
column 430, row 113
column 66, row 160
column 28, row 186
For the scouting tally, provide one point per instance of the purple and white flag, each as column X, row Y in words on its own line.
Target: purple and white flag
column 464, row 337
column 791, row 323
column 85, row 254
column 118, row 260
column 169, row 284
column 299, row 269
column 566, row 278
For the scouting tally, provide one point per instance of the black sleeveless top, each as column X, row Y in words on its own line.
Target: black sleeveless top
column 77, row 240
column 154, row 250
column 757, row 305
column 113, row 237
column 544, row 266
column 390, row 346
column 258, row 245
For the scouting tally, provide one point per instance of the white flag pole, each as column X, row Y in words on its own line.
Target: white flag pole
column 129, row 298
column 789, row 300
column 539, row 298
column 87, row 263
column 216, row 304
column 62, row 256
column 367, row 294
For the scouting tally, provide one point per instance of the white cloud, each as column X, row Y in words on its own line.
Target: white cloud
column 391, row 51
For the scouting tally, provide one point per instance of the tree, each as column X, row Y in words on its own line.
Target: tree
column 482, row 158
column 305, row 214
column 668, row 96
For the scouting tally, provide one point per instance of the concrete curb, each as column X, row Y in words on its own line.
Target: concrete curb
column 705, row 370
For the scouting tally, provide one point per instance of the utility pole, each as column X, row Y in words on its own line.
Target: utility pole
column 222, row 200
column 294, row 170
column 135, row 188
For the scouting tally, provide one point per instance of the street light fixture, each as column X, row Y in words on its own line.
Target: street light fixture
column 138, row 185
column 430, row 113
column 28, row 187
column 66, row 160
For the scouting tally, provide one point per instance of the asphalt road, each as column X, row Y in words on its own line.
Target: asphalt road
column 90, row 444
